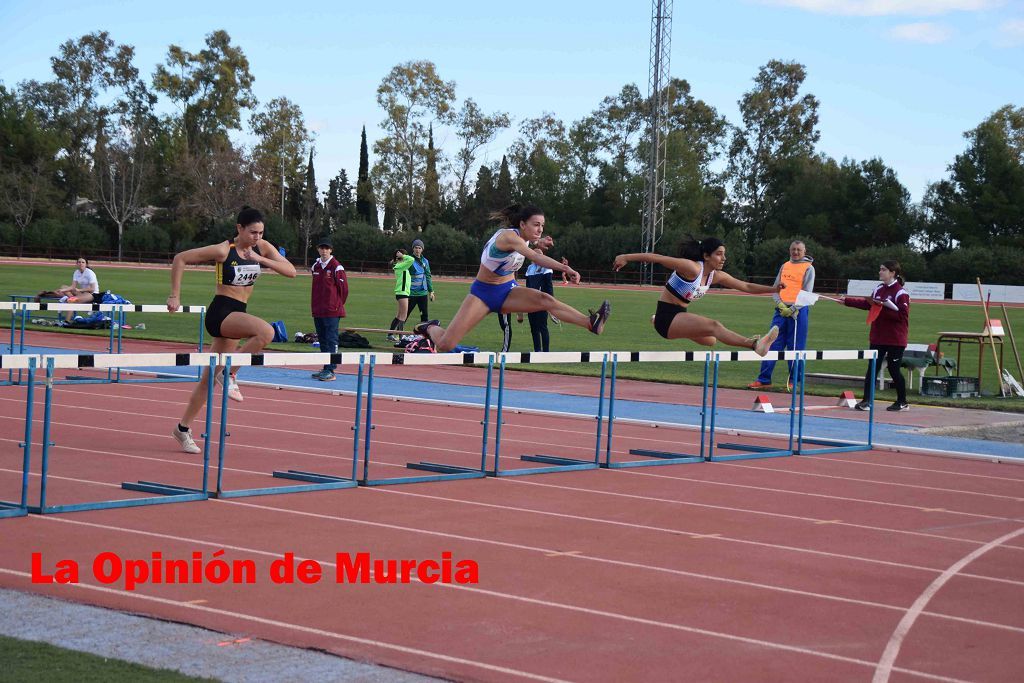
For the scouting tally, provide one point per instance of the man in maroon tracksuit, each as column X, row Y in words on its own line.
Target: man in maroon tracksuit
column 330, row 291
column 889, row 315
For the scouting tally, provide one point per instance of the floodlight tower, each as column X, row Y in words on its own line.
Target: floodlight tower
column 654, row 182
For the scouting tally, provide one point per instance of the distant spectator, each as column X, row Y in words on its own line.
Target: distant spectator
column 889, row 316
column 540, row 278
column 330, row 291
column 792, row 319
column 84, row 287
column 505, row 324
column 401, row 264
column 421, row 289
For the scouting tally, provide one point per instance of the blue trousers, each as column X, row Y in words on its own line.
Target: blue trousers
column 327, row 335
column 792, row 337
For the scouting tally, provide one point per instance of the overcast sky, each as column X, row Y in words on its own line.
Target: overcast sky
column 897, row 79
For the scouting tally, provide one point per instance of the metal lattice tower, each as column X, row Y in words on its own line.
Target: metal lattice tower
column 654, row 182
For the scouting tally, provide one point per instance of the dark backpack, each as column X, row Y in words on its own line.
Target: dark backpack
column 353, row 340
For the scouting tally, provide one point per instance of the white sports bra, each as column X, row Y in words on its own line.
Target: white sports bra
column 686, row 290
column 501, row 262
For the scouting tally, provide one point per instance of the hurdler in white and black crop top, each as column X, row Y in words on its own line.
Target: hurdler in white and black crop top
column 687, row 291
column 236, row 270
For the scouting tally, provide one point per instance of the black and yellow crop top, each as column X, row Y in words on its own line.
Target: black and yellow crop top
column 236, row 270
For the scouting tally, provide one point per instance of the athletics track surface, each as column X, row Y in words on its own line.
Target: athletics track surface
column 846, row 566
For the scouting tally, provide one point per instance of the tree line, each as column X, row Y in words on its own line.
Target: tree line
column 89, row 162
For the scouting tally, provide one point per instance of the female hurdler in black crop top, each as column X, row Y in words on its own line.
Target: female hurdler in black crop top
column 237, row 271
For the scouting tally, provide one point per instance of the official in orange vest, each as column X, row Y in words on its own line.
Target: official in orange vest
column 793, row 321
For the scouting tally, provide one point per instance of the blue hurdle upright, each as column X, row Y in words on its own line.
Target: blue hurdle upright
column 557, row 463
column 313, row 481
column 665, row 457
column 168, row 493
column 442, row 471
column 20, row 508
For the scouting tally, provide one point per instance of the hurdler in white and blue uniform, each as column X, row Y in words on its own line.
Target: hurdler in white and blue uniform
column 494, row 290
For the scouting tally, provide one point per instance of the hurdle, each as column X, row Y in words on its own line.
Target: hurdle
column 168, row 493
column 364, row 425
column 313, row 480
column 115, row 343
column 20, row 509
column 555, row 463
column 798, row 409
column 441, row 472
column 666, row 457
column 833, row 445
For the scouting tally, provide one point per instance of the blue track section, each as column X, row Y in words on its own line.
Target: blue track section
column 726, row 418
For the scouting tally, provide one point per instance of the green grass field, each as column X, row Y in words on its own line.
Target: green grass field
column 25, row 660
column 371, row 304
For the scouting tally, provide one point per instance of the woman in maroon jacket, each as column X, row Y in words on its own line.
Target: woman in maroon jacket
column 889, row 314
column 330, row 290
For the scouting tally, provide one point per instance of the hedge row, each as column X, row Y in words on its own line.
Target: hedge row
column 588, row 249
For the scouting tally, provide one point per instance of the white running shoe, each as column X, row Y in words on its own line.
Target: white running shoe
column 764, row 343
column 185, row 440
column 234, row 393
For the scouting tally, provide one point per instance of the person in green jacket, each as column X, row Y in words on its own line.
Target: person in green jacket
column 403, row 284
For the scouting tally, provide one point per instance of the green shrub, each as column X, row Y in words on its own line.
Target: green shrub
column 1004, row 266
column 863, row 264
column 71, row 237
column 145, row 238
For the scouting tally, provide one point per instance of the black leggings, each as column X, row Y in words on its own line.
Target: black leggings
column 421, row 303
column 891, row 356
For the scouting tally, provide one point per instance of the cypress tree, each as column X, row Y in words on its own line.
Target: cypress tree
column 389, row 211
column 310, row 213
column 503, row 189
column 366, row 203
column 338, row 202
column 431, row 184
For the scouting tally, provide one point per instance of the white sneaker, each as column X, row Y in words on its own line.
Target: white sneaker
column 185, row 440
column 764, row 343
column 234, row 393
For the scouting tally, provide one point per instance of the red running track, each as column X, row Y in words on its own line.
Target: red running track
column 800, row 568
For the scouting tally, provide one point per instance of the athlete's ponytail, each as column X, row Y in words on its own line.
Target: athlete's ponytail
column 514, row 214
column 695, row 250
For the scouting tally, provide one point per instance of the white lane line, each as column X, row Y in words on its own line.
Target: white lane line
column 879, row 482
column 892, row 648
column 780, row 515
column 691, row 534
column 471, row 589
column 303, row 629
column 809, row 494
column 728, row 539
